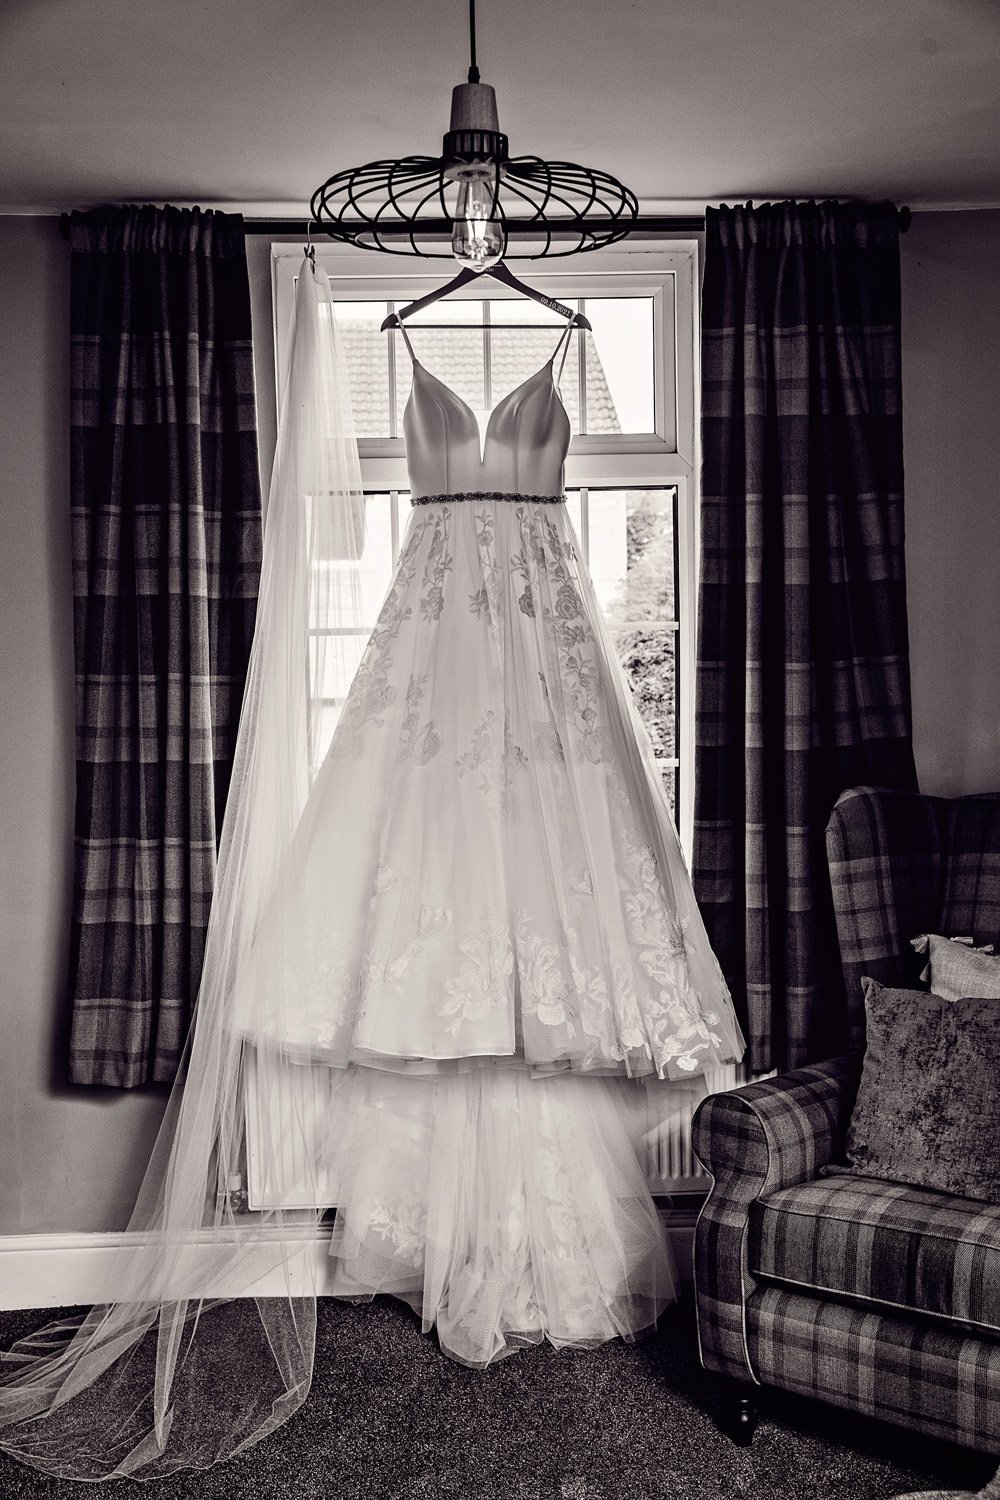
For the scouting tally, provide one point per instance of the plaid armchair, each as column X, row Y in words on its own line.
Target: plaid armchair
column 875, row 1296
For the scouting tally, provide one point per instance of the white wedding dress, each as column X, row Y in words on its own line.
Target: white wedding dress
column 490, row 927
column 443, row 958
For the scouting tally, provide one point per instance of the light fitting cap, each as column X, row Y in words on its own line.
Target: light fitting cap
column 474, row 107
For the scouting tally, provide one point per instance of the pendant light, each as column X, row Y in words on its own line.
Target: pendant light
column 489, row 202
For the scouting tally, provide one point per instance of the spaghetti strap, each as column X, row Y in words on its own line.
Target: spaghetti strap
column 563, row 344
column 406, row 340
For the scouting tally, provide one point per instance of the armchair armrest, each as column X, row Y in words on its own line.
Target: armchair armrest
column 753, row 1141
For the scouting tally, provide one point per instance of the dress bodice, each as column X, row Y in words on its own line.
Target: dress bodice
column 524, row 450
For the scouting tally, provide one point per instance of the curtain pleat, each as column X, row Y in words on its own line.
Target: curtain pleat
column 166, row 511
column 803, row 667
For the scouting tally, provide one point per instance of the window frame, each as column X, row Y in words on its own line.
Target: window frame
column 668, row 271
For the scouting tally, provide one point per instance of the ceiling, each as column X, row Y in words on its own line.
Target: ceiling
column 252, row 104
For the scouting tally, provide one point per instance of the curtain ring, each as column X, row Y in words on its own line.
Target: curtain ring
column 309, row 248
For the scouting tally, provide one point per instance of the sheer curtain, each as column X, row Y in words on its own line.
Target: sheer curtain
column 172, row 1370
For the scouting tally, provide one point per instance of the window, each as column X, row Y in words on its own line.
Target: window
column 630, row 476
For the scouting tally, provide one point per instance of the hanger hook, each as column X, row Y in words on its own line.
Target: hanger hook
column 309, row 248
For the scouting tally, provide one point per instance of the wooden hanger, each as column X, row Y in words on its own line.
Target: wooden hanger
column 500, row 272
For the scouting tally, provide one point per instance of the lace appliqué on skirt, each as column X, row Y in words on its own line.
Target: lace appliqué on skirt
column 492, row 876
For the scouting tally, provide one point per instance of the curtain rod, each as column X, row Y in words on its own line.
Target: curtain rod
column 441, row 228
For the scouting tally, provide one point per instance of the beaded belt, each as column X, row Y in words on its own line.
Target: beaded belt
column 488, row 495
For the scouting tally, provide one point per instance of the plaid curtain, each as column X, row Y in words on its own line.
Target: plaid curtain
column 803, row 670
column 166, row 553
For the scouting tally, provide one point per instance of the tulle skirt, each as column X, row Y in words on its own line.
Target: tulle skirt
column 503, row 1208
column 484, row 934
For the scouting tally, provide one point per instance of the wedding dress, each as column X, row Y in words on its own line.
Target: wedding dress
column 470, row 939
column 514, row 930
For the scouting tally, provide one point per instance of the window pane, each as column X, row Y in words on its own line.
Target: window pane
column 632, row 553
column 451, row 310
column 648, row 658
column 375, row 567
column 328, row 717
column 516, row 353
column 521, row 310
column 340, row 656
column 620, row 364
column 454, row 355
column 365, row 352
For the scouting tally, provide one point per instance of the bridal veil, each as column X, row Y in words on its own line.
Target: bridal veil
column 202, row 1338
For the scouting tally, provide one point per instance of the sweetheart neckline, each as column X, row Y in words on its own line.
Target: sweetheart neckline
column 485, row 435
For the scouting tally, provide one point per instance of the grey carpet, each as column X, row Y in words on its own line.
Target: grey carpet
column 389, row 1418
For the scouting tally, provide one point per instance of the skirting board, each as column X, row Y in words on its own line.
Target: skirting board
column 70, row 1270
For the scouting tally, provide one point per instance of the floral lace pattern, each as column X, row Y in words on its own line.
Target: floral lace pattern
column 547, row 992
column 680, row 1029
column 490, row 593
column 372, row 692
column 560, row 989
column 482, row 984
column 415, row 742
column 485, row 758
column 327, row 990
column 403, row 1225
column 545, row 566
column 383, row 972
column 437, row 565
column 522, row 905
column 386, row 879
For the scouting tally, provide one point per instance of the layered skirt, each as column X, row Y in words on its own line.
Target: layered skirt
column 487, row 934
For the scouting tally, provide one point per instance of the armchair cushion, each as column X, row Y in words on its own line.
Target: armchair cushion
column 928, row 1108
column 956, row 970
column 883, row 1245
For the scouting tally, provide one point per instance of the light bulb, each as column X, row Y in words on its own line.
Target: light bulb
column 477, row 238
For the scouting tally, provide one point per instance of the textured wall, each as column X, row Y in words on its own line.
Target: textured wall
column 951, row 437
column 71, row 1159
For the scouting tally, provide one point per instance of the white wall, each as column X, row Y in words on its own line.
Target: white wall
column 71, row 1158
column 951, row 427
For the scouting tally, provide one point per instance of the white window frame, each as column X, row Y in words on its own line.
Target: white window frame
column 666, row 270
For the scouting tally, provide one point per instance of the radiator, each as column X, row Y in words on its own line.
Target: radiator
column 659, row 1114
column 671, row 1165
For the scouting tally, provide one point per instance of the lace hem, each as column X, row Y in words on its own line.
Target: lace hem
column 488, row 495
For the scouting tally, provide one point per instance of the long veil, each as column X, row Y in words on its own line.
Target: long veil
column 202, row 1340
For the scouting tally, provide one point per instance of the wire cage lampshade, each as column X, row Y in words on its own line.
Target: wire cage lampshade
column 488, row 200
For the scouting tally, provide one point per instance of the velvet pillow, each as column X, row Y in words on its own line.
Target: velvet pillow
column 928, row 1105
column 955, row 969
